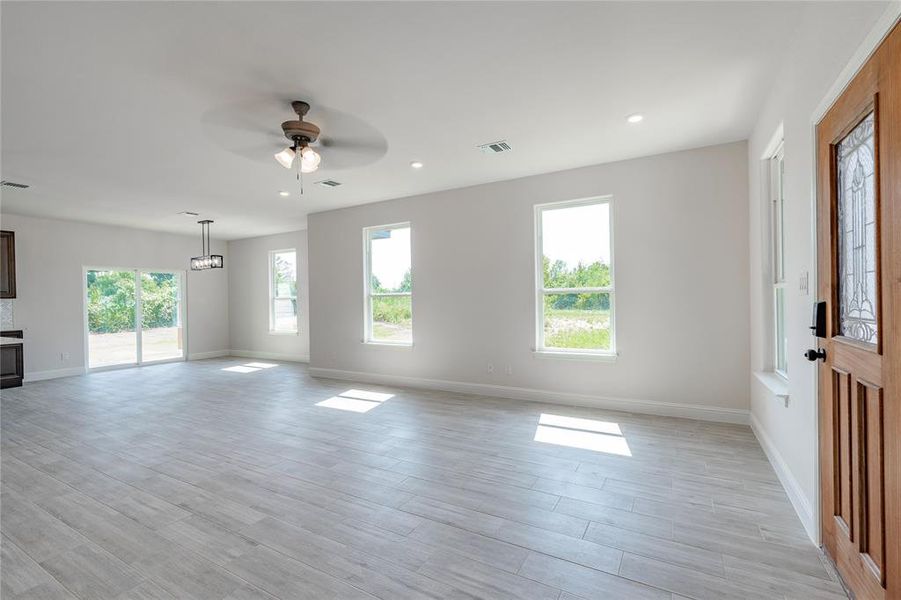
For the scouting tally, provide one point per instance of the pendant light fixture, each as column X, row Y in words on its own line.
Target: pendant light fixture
column 207, row 260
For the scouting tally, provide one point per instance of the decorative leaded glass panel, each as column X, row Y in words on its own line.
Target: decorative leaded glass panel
column 857, row 233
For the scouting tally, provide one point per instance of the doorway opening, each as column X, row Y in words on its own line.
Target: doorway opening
column 133, row 317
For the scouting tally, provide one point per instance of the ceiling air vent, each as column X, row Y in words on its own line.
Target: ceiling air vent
column 328, row 183
column 495, row 147
column 21, row 186
column 189, row 213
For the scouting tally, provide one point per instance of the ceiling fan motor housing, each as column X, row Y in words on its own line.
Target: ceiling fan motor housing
column 306, row 132
column 300, row 129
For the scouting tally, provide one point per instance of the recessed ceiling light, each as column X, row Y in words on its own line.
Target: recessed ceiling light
column 636, row 118
column 416, row 164
column 284, row 193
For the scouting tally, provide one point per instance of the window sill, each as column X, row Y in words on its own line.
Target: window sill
column 589, row 356
column 776, row 383
column 284, row 333
column 397, row 345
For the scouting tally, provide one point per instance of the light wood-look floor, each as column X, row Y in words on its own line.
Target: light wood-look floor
column 186, row 481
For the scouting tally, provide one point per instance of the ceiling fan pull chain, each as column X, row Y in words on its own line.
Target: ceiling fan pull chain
column 298, row 162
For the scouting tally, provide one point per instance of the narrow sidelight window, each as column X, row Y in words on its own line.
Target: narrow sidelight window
column 574, row 277
column 388, row 285
column 283, row 291
column 777, row 197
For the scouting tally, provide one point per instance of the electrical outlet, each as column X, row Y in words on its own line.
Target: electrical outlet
column 508, row 370
column 64, row 356
column 804, row 283
column 490, row 368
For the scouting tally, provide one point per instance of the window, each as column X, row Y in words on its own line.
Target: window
column 777, row 196
column 574, row 277
column 388, row 285
column 283, row 291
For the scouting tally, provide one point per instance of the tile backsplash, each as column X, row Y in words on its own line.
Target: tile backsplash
column 7, row 314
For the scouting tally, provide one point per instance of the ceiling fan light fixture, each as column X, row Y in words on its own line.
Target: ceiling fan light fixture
column 285, row 158
column 301, row 133
column 310, row 157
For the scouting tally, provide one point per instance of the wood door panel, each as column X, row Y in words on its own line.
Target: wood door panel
column 842, row 427
column 859, row 276
column 872, row 479
column 863, row 362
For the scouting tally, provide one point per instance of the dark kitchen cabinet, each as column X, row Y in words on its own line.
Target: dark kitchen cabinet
column 7, row 264
column 12, row 361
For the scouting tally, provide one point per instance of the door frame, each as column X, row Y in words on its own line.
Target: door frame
column 182, row 314
column 865, row 50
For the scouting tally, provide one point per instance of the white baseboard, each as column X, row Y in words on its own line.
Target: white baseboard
column 688, row 411
column 205, row 355
column 302, row 358
column 797, row 497
column 52, row 374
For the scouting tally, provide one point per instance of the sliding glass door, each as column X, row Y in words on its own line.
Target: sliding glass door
column 134, row 317
column 162, row 332
column 112, row 308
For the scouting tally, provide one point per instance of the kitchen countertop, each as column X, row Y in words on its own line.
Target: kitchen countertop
column 7, row 341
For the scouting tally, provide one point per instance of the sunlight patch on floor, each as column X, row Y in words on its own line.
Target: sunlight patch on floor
column 359, row 401
column 366, row 395
column 241, row 369
column 580, row 424
column 587, row 434
column 251, row 367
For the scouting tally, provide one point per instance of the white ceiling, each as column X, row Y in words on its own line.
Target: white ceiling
column 127, row 113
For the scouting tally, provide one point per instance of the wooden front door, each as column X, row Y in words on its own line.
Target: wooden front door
column 859, row 277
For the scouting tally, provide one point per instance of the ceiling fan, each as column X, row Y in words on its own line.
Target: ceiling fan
column 245, row 127
column 302, row 134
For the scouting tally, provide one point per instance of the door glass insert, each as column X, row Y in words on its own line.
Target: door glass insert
column 857, row 233
column 161, row 328
column 112, row 332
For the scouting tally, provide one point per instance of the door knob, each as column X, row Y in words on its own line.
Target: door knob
column 813, row 355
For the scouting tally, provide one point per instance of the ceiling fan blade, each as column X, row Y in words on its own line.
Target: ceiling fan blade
column 237, row 122
column 351, row 144
column 350, row 153
column 261, row 153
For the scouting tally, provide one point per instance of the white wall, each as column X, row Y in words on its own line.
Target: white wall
column 681, row 251
column 822, row 47
column 50, row 256
column 248, row 302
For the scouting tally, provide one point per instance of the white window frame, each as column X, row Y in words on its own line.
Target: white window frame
column 776, row 166
column 541, row 291
column 368, row 294
column 273, row 294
